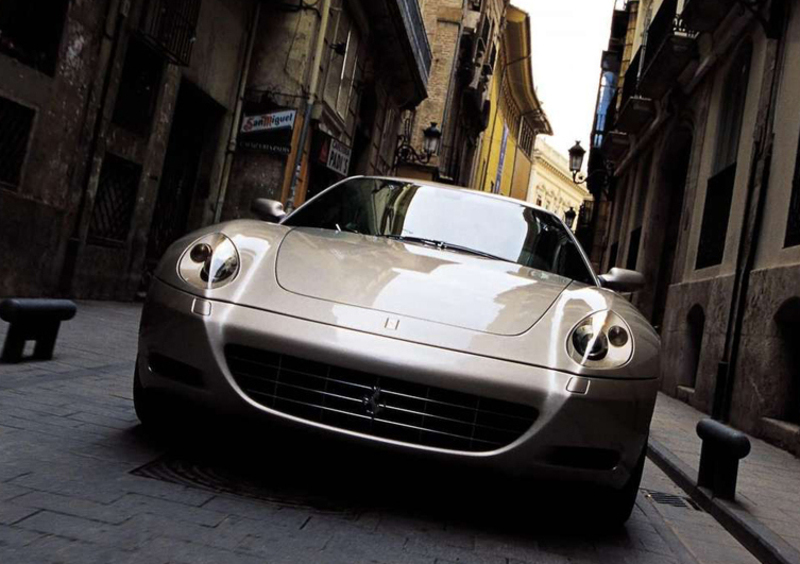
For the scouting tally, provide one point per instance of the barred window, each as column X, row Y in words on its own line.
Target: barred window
column 16, row 122
column 170, row 27
column 115, row 201
column 30, row 31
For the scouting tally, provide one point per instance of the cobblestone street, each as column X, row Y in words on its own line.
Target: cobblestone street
column 81, row 482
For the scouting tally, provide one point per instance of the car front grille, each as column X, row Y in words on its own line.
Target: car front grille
column 377, row 405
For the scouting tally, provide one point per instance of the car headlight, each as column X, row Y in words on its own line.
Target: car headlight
column 602, row 340
column 210, row 262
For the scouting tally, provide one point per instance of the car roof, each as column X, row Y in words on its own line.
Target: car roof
column 462, row 189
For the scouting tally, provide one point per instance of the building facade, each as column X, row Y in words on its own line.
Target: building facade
column 515, row 118
column 551, row 185
column 701, row 138
column 126, row 123
column 464, row 36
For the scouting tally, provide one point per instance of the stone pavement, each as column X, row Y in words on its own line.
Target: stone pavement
column 81, row 482
column 769, row 478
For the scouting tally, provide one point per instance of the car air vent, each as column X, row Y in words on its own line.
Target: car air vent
column 376, row 405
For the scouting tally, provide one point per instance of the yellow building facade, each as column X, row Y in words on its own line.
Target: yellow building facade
column 516, row 118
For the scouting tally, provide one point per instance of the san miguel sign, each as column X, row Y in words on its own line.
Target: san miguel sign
column 268, row 132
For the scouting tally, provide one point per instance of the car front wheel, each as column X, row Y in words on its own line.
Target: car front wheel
column 616, row 506
column 149, row 409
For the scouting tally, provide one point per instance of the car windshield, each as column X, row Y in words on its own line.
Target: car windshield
column 455, row 220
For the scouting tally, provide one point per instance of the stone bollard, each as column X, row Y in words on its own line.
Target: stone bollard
column 33, row 320
column 722, row 449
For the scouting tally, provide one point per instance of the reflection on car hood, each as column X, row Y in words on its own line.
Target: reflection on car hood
column 412, row 280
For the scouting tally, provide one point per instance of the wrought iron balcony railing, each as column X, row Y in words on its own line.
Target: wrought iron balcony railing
column 630, row 84
column 666, row 24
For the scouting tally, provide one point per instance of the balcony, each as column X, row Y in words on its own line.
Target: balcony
column 615, row 145
column 669, row 48
column 705, row 15
column 403, row 44
column 636, row 110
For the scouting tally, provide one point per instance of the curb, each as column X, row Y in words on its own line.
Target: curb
column 760, row 540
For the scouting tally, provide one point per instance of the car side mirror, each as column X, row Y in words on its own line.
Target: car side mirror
column 622, row 280
column 268, row 210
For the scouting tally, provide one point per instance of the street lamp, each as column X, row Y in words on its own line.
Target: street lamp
column 569, row 217
column 405, row 153
column 576, row 154
column 432, row 137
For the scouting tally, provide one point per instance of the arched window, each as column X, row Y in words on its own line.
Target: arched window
column 719, row 192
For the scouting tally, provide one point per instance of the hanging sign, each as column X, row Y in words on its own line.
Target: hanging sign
column 268, row 132
column 334, row 154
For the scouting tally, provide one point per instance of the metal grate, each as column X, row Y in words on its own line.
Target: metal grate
column 115, row 200
column 672, row 500
column 232, row 476
column 171, row 26
column 16, row 122
column 376, row 405
column 716, row 214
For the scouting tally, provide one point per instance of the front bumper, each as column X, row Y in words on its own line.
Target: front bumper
column 611, row 416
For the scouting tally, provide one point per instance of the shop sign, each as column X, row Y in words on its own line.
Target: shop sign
column 268, row 133
column 335, row 155
column 269, row 122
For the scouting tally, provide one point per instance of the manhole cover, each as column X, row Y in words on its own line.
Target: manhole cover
column 672, row 500
column 270, row 487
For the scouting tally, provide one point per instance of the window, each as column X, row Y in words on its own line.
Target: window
column 716, row 213
column 16, row 122
column 526, row 138
column 719, row 192
column 792, row 237
column 30, row 31
column 170, row 27
column 344, row 41
column 633, row 249
column 115, row 201
column 612, row 256
column 732, row 110
column 476, row 224
column 138, row 88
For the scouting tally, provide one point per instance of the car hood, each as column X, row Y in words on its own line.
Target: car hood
column 413, row 280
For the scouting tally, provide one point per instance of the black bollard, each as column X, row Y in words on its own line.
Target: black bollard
column 33, row 320
column 722, row 449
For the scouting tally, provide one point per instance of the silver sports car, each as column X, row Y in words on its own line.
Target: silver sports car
column 423, row 318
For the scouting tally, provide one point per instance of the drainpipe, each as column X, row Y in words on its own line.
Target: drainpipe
column 312, row 98
column 237, row 114
column 752, row 221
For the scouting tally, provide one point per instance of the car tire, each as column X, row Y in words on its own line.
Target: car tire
column 615, row 506
column 149, row 408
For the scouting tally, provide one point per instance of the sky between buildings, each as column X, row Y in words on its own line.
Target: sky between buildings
column 567, row 39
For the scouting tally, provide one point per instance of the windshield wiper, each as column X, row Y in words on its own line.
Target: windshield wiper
column 443, row 245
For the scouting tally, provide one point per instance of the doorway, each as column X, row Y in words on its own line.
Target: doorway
column 194, row 134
